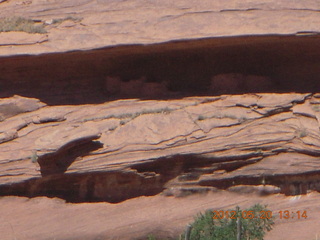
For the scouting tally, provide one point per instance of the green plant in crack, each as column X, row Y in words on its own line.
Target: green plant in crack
column 132, row 116
column 258, row 151
column 124, row 121
column 34, row 157
column 20, row 24
column 219, row 116
column 113, row 128
column 165, row 110
column 229, row 116
column 242, row 119
column 302, row 132
column 316, row 107
column 69, row 18
column 201, row 118
column 263, row 180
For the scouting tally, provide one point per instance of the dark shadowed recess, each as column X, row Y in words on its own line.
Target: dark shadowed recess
column 59, row 161
column 187, row 67
column 146, row 178
column 152, row 177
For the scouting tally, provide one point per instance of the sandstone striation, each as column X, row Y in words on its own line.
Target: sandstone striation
column 88, row 24
column 255, row 139
column 120, row 119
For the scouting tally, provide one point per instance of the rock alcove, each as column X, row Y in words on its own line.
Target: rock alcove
column 181, row 68
column 254, row 122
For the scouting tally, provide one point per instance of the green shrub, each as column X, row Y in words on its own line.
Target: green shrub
column 151, row 237
column 206, row 228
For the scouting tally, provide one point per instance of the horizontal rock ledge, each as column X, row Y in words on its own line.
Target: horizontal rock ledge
column 198, row 141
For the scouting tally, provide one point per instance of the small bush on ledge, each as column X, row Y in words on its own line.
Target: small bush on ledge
column 20, row 24
column 233, row 224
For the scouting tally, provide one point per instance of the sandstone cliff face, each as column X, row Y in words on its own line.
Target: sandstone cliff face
column 88, row 24
column 123, row 149
column 126, row 99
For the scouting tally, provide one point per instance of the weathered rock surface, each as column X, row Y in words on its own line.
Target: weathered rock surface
column 42, row 218
column 66, row 130
column 146, row 147
column 88, row 24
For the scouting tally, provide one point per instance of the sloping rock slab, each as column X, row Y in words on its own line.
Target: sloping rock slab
column 89, row 24
column 173, row 143
column 21, row 38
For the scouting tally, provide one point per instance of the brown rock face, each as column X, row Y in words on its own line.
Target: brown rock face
column 69, row 134
column 144, row 103
column 110, row 23
column 170, row 70
column 192, row 144
column 236, row 82
column 227, row 83
column 13, row 106
column 260, row 84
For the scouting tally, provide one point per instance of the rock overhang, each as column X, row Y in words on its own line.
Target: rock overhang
column 187, row 67
column 73, row 25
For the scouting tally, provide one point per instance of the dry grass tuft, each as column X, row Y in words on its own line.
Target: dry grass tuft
column 20, row 24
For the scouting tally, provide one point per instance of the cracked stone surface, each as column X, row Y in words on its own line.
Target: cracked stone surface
column 118, row 121
column 93, row 24
column 130, row 132
column 129, row 148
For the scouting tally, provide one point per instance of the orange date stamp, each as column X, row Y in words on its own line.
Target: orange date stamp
column 283, row 214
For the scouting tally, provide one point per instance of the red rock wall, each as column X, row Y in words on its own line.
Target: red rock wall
column 186, row 67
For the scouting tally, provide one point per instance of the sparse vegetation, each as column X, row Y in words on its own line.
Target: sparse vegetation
column 165, row 110
column 252, row 225
column 316, row 107
column 69, row 18
column 113, row 128
column 34, row 157
column 153, row 237
column 123, row 122
column 20, row 24
column 302, row 133
column 257, row 150
column 243, row 119
column 131, row 116
column 218, row 116
column 248, row 224
column 201, row 118
column 229, row 116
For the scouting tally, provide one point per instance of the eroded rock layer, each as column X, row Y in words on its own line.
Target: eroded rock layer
column 126, row 148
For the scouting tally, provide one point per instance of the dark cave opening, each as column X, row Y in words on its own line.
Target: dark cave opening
column 171, row 70
column 152, row 177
